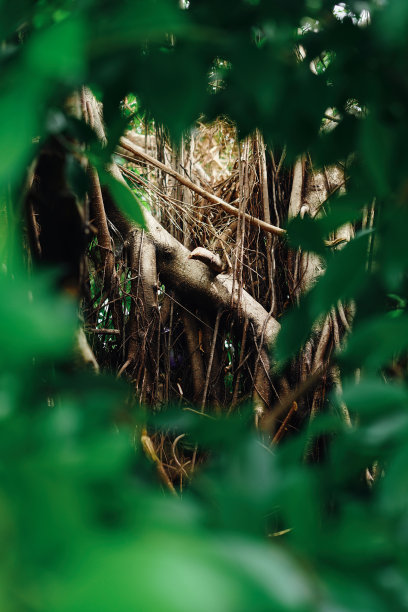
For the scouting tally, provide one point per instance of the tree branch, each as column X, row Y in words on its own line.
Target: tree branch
column 191, row 279
column 129, row 147
column 198, row 284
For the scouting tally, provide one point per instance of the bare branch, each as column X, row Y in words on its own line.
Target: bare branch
column 129, row 147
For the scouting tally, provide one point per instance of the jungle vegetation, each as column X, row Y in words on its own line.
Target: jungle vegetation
column 203, row 314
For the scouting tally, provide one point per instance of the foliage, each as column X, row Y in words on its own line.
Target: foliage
column 82, row 525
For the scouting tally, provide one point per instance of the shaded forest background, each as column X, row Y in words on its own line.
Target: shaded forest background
column 203, row 377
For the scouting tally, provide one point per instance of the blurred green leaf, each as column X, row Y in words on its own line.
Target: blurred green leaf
column 306, row 234
column 34, row 321
column 58, row 52
column 376, row 342
column 125, row 198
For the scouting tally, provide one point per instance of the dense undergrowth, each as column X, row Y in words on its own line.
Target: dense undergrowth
column 85, row 523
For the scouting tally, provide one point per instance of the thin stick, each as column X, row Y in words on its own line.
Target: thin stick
column 150, row 452
column 284, row 426
column 210, row 362
column 286, row 402
column 110, row 332
column 239, row 369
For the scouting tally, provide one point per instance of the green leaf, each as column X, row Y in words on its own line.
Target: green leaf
column 372, row 396
column 57, row 52
column 375, row 342
column 124, row 197
column 306, row 234
column 34, row 321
